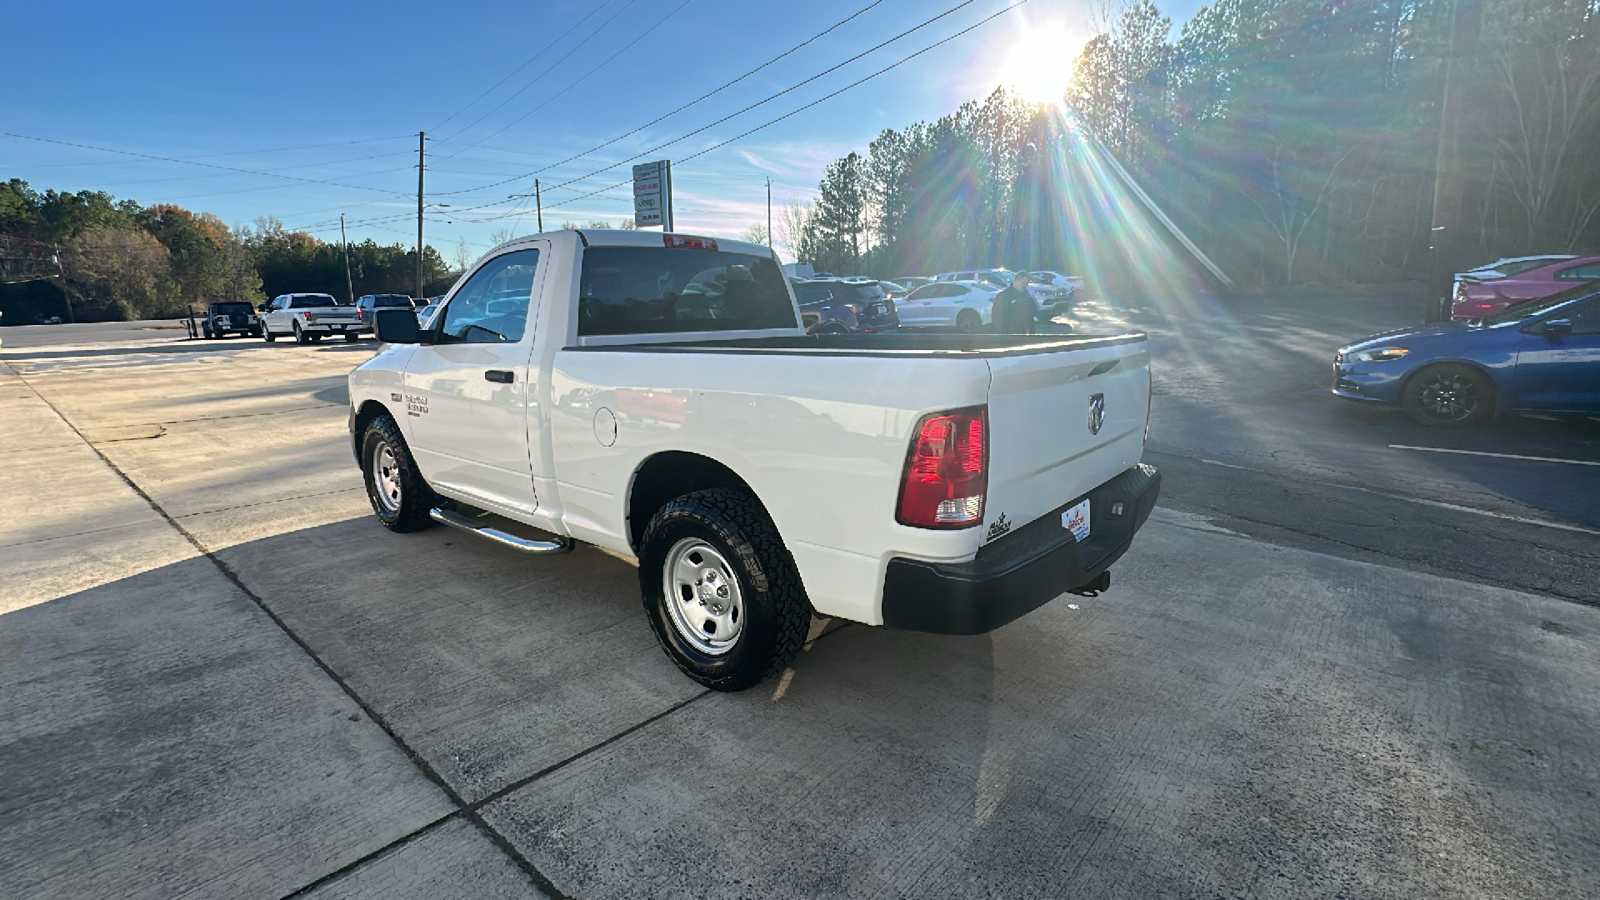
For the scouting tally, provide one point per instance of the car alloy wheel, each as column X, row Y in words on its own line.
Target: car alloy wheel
column 1450, row 395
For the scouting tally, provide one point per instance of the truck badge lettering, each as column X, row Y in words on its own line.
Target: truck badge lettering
column 1097, row 412
column 998, row 527
column 416, row 405
column 397, row 398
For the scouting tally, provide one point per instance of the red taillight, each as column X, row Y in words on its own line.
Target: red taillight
column 692, row 243
column 1486, row 306
column 305, row 314
column 947, row 471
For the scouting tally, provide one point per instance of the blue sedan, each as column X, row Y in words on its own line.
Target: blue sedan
column 1538, row 356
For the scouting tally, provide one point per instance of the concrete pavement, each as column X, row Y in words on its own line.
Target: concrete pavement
column 219, row 677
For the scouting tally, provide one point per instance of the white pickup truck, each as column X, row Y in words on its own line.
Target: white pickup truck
column 656, row 395
column 308, row 317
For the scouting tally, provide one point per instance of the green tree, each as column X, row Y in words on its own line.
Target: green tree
column 837, row 233
column 120, row 274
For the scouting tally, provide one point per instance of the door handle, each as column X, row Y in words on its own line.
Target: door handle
column 500, row 376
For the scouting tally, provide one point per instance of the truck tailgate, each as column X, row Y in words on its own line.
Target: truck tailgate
column 332, row 315
column 1060, row 424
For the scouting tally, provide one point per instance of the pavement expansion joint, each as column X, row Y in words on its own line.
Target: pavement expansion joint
column 422, row 765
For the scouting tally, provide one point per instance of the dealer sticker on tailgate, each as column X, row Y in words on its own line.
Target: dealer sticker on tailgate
column 1076, row 520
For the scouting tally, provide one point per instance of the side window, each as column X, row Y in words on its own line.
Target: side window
column 492, row 307
column 1589, row 272
column 1586, row 318
column 813, row 293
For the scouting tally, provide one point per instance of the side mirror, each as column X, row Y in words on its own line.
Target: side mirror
column 1555, row 328
column 396, row 326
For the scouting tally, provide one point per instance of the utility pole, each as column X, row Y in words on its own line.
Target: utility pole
column 422, row 164
column 56, row 258
column 538, row 204
column 1449, row 186
column 349, row 284
column 769, row 213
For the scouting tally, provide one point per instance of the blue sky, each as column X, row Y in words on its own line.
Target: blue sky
column 333, row 95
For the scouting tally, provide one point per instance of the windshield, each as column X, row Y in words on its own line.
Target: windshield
column 391, row 300
column 864, row 292
column 1518, row 312
column 306, row 300
column 232, row 308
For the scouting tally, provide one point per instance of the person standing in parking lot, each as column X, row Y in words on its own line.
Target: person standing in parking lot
column 1014, row 311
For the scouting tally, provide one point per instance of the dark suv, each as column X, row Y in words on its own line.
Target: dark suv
column 366, row 303
column 833, row 306
column 230, row 317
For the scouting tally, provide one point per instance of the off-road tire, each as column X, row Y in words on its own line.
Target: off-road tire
column 1450, row 395
column 777, row 614
column 410, row 513
column 969, row 322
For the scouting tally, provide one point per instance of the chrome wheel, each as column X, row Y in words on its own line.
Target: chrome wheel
column 386, row 477
column 702, row 597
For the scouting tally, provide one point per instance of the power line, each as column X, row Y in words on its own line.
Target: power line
column 526, row 63
column 275, row 187
column 787, row 90
column 547, row 71
column 800, row 85
column 336, row 162
column 558, row 94
column 661, row 118
column 189, row 162
column 745, row 134
column 245, row 152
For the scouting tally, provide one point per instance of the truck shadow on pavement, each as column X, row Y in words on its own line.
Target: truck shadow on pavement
column 1157, row 740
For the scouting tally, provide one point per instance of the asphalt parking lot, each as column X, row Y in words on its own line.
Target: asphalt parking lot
column 1330, row 666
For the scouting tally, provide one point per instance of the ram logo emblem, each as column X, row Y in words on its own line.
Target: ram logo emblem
column 1097, row 412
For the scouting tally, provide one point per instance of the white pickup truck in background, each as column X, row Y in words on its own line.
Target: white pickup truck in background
column 656, row 395
column 308, row 317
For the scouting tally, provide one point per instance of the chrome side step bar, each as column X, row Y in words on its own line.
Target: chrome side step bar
column 466, row 523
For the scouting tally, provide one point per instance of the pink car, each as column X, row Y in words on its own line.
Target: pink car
column 1485, row 298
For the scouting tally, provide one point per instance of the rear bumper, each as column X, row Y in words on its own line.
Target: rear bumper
column 1023, row 571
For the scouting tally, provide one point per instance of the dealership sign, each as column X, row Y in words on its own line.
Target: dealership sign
column 652, row 194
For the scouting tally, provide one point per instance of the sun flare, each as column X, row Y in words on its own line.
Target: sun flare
column 1037, row 67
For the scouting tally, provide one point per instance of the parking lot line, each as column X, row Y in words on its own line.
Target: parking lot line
column 1437, row 504
column 1548, row 459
